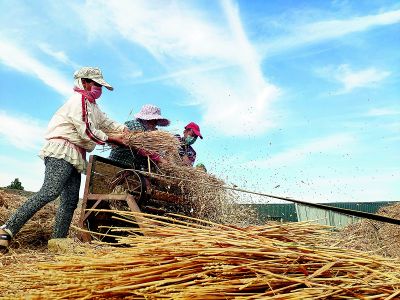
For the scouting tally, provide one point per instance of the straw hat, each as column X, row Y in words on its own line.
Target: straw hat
column 94, row 74
column 152, row 112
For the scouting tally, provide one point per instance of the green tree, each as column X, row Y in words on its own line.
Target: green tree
column 16, row 185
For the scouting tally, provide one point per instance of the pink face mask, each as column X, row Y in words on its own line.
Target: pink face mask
column 95, row 91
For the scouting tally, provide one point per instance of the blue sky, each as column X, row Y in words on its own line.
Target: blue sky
column 294, row 98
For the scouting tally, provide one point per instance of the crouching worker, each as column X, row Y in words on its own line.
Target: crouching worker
column 147, row 119
column 76, row 128
column 190, row 135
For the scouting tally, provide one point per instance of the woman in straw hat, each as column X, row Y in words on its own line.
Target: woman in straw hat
column 147, row 119
column 76, row 128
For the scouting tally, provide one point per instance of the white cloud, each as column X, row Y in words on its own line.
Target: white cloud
column 58, row 55
column 19, row 59
column 20, row 131
column 384, row 111
column 325, row 30
column 351, row 79
column 181, row 37
column 331, row 144
column 357, row 188
column 202, row 69
column 357, row 79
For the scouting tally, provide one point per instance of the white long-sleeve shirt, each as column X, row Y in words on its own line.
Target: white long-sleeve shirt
column 77, row 124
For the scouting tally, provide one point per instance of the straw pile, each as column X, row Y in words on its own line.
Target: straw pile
column 377, row 237
column 210, row 261
column 37, row 231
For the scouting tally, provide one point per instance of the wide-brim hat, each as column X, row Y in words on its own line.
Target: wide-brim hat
column 152, row 112
column 94, row 74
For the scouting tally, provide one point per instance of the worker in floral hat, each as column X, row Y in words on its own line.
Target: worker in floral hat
column 76, row 128
column 147, row 119
column 190, row 135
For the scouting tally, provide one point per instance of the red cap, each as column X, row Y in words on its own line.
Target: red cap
column 195, row 128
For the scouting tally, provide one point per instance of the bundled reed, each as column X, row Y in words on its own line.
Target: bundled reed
column 155, row 142
column 203, row 260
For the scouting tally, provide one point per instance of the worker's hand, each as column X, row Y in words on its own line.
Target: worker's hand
column 117, row 139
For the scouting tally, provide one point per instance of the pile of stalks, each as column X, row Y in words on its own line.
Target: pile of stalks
column 202, row 260
column 37, row 231
column 374, row 236
column 207, row 198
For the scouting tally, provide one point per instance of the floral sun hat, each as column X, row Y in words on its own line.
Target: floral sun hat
column 152, row 112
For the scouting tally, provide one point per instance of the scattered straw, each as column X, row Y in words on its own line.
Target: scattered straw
column 186, row 260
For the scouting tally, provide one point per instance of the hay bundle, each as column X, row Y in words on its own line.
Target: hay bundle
column 155, row 142
column 378, row 237
column 196, row 261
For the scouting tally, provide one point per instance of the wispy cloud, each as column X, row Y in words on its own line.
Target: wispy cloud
column 203, row 69
column 327, row 145
column 353, row 79
column 22, row 61
column 58, row 55
column 235, row 101
column 21, row 131
column 370, row 186
column 383, row 111
column 325, row 30
column 357, row 79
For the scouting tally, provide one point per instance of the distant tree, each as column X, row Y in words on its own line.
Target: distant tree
column 16, row 185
